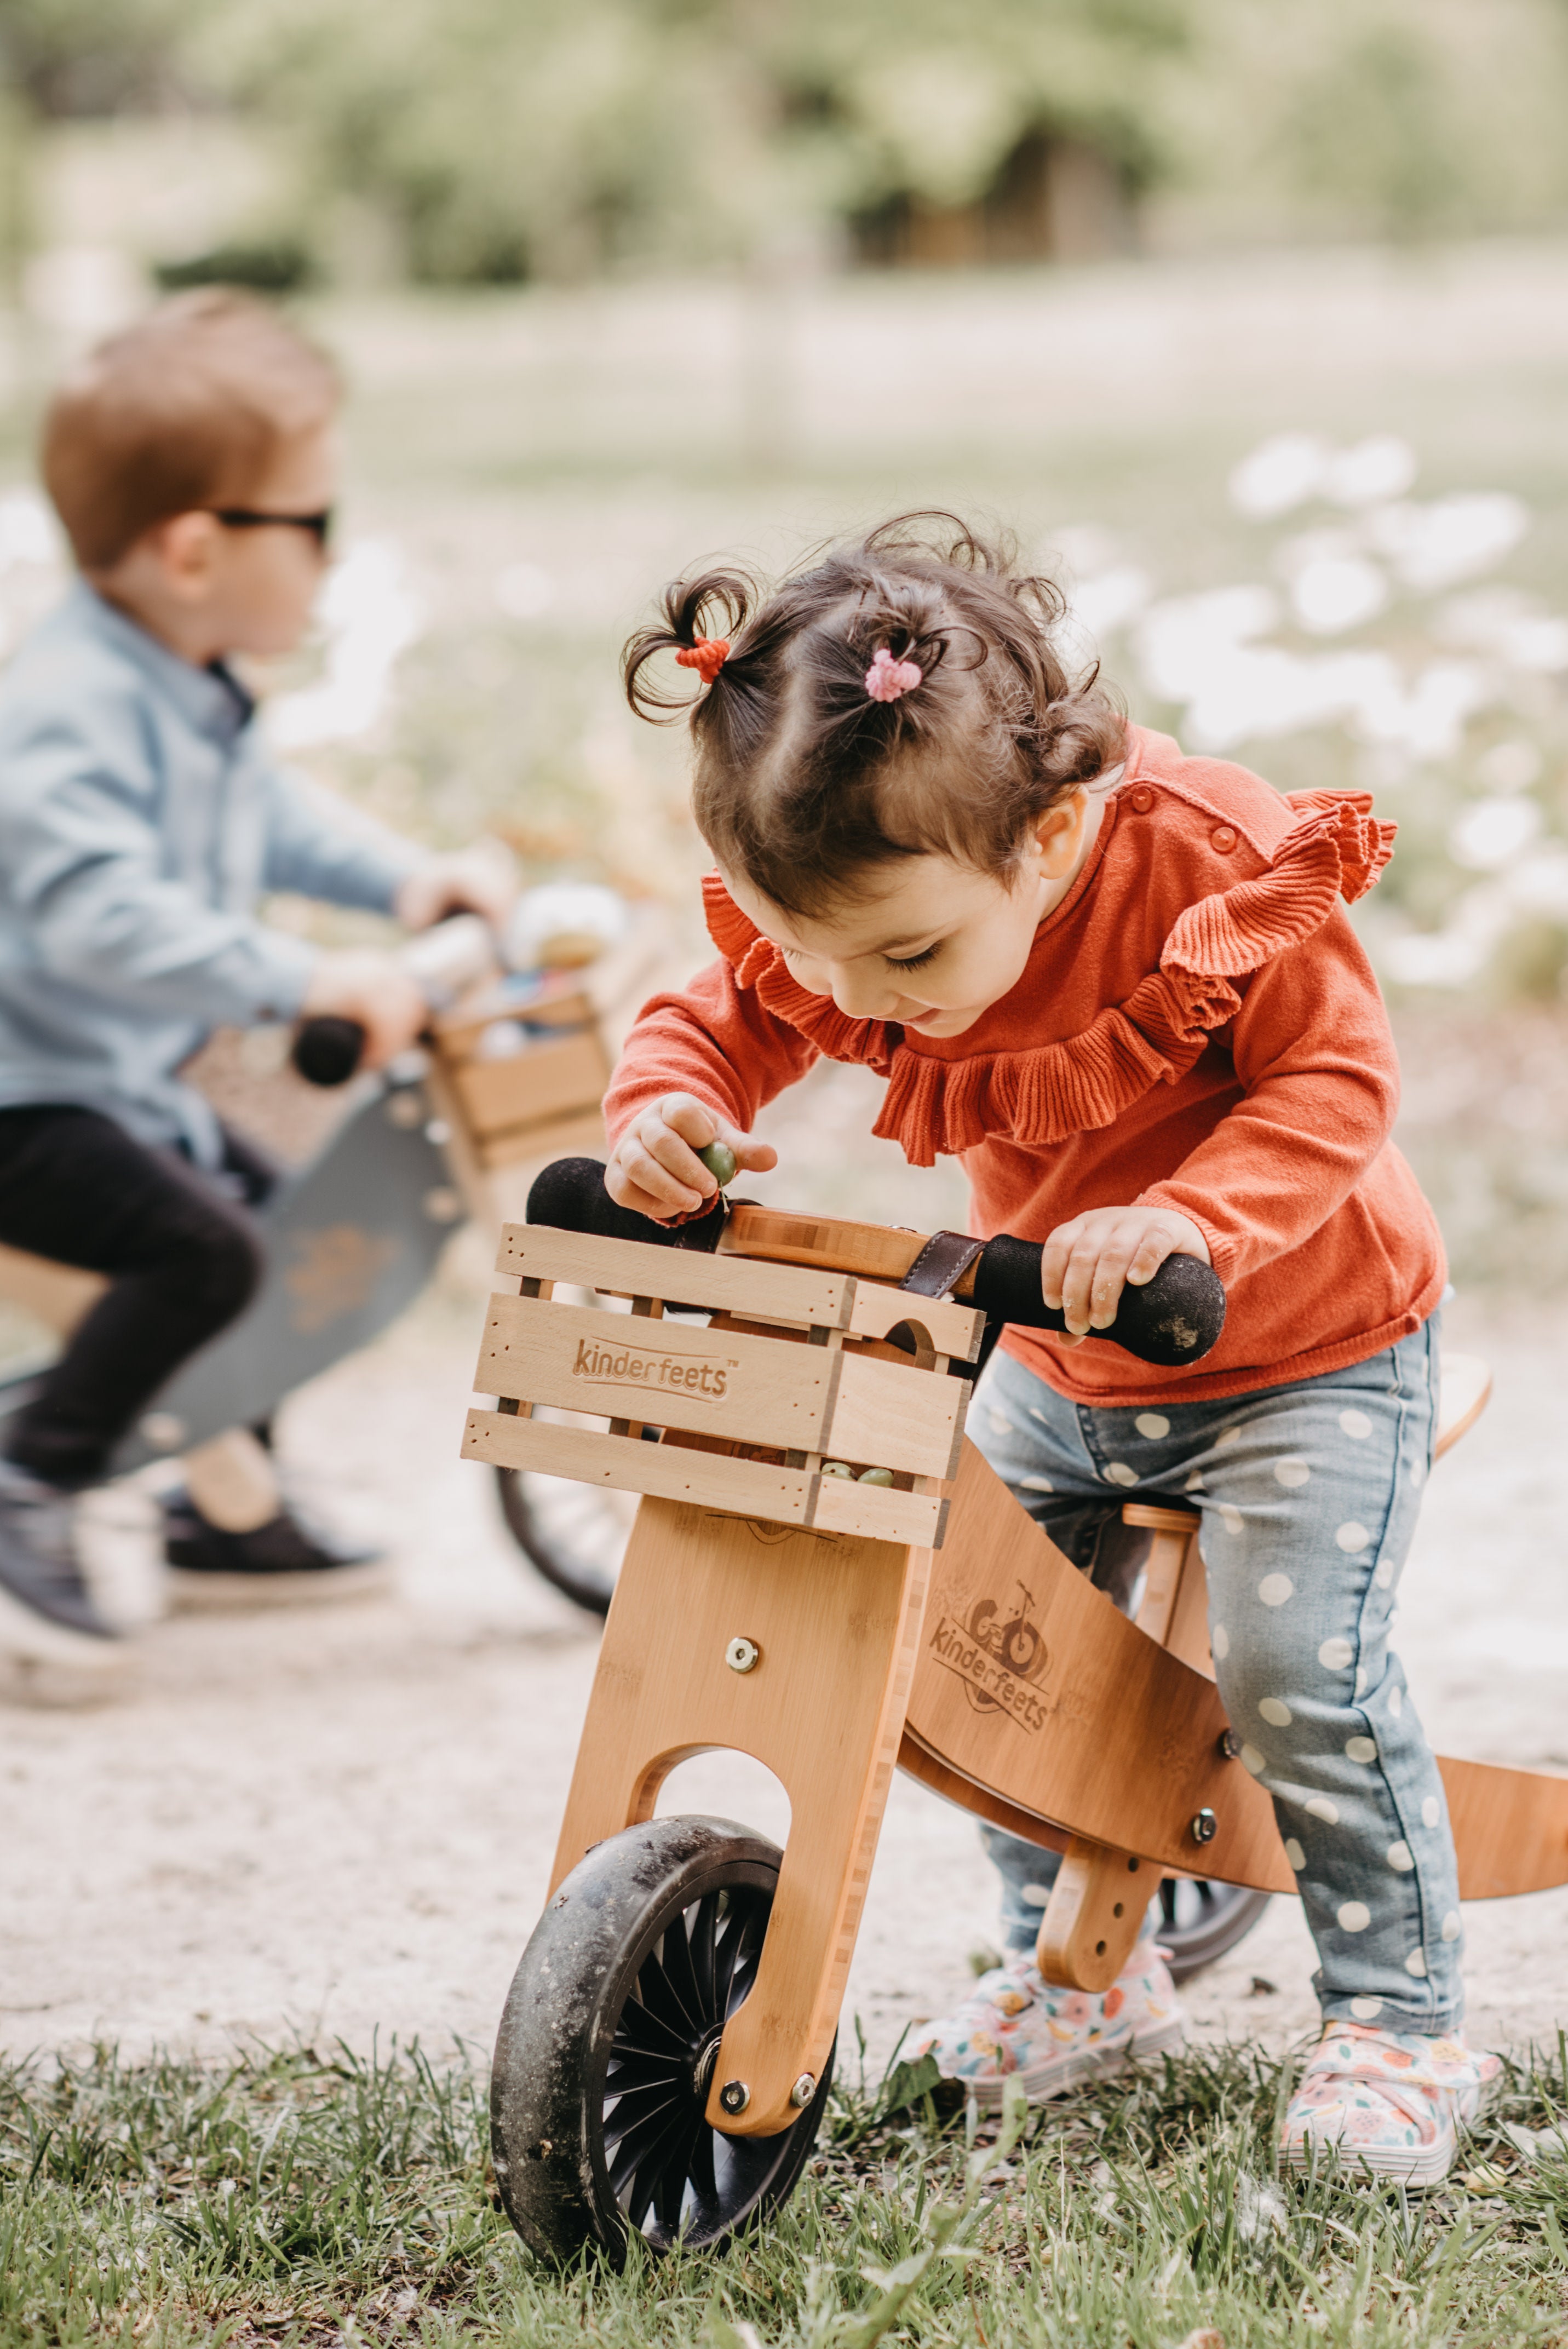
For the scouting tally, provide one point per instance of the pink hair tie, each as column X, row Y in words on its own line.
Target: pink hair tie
column 887, row 680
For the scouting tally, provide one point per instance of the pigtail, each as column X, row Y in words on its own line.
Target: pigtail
column 711, row 609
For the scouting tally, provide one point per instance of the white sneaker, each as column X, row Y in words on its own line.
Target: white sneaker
column 1017, row 2024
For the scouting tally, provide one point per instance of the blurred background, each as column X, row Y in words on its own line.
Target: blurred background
column 1252, row 320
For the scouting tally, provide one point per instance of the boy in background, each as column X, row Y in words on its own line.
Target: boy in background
column 193, row 461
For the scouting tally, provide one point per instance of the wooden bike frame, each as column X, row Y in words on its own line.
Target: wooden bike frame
column 834, row 1628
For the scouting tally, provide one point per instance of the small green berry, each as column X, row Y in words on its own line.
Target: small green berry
column 837, row 1468
column 876, row 1476
column 719, row 1160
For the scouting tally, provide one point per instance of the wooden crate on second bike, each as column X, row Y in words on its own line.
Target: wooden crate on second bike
column 794, row 1369
column 519, row 1077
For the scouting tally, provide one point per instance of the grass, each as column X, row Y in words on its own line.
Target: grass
column 319, row 2196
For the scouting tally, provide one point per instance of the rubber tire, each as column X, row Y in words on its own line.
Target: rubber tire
column 553, row 2046
column 1236, row 1911
column 573, row 1577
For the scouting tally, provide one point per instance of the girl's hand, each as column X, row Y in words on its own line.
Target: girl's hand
column 1085, row 1264
column 655, row 1168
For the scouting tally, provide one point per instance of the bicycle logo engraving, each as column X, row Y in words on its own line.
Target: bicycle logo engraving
column 1001, row 1657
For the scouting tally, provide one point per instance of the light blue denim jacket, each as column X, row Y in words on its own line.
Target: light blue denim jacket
column 140, row 817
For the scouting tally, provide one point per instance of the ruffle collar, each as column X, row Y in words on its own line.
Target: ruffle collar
column 1047, row 1093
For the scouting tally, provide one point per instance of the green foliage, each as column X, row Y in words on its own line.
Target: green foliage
column 289, row 2196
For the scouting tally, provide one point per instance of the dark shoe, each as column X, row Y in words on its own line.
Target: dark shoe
column 281, row 1563
column 46, row 1612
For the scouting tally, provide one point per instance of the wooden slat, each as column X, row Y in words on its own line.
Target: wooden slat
column 579, row 1134
column 641, row 1268
column 457, row 1032
column 544, row 1081
column 953, row 1329
column 668, row 1472
column 757, row 1391
column 750, row 1389
column 725, row 1284
column 879, row 1512
column 885, row 1416
column 625, row 1464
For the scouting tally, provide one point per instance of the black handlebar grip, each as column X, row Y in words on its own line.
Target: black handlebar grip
column 571, row 1196
column 1174, row 1318
column 327, row 1051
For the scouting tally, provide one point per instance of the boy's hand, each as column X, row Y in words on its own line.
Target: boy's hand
column 655, row 1167
column 469, row 881
column 1086, row 1262
column 374, row 990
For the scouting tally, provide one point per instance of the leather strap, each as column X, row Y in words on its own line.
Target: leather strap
column 942, row 1263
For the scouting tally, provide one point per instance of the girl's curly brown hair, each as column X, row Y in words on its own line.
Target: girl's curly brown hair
column 804, row 782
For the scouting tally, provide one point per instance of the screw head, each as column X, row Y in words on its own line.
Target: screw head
column 1230, row 1744
column 743, row 1655
column 1206, row 1827
column 801, row 2094
column 735, row 2096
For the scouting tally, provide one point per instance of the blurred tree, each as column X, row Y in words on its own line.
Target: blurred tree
column 87, row 58
column 520, row 137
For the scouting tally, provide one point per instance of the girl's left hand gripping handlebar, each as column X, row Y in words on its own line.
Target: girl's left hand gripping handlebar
column 1172, row 1319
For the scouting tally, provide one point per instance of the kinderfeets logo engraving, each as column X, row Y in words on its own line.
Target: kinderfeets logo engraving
column 628, row 1366
column 999, row 1655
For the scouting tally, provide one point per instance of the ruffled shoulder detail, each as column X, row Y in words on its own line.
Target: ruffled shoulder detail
column 1047, row 1093
column 1336, row 849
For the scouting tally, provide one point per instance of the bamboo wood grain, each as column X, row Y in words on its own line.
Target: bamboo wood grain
column 753, row 1390
column 759, row 1292
column 540, row 1083
column 1123, row 1747
column 714, row 1480
column 837, row 1621
column 578, row 1133
column 1094, row 1917
column 876, row 1251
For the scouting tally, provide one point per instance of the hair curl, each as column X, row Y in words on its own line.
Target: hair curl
column 804, row 782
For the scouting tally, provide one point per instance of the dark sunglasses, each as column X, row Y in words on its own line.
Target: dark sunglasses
column 247, row 518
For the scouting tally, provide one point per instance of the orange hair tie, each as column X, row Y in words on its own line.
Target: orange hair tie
column 707, row 657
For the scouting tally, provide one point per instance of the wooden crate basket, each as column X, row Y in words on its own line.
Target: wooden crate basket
column 522, row 1081
column 793, row 1369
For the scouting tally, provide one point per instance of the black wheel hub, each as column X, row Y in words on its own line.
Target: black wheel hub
column 673, row 2175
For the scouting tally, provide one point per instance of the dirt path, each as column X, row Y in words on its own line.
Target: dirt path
column 340, row 1821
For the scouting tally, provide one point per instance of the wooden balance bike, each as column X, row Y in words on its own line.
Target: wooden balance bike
column 825, row 1574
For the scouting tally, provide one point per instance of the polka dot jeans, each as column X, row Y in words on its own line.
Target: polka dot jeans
column 1308, row 1495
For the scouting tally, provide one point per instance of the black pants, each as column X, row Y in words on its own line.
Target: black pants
column 182, row 1253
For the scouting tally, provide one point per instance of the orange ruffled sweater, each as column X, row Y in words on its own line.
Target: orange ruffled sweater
column 1197, row 1024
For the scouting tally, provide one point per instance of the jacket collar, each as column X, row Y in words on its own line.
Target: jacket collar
column 211, row 700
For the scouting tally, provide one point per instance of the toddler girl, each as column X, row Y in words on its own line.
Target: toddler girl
column 1120, row 985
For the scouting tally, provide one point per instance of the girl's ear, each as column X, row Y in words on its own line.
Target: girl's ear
column 1058, row 833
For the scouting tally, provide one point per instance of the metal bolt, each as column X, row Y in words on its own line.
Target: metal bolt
column 801, row 2094
column 1206, row 1827
column 735, row 2096
column 743, row 1655
column 1230, row 1744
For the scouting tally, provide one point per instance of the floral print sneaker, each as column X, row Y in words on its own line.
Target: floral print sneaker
column 1388, row 2101
column 1016, row 2023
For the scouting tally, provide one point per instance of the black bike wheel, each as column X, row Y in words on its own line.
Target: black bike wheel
column 1200, row 1922
column 605, row 2054
column 571, row 1533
